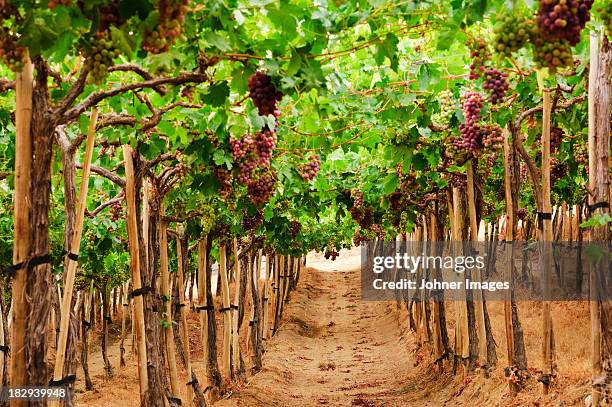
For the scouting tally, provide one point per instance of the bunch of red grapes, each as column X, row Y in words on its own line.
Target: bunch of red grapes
column 521, row 213
column 358, row 237
column 261, row 188
column 171, row 18
column 310, row 169
column 563, row 19
column 379, row 231
column 331, row 254
column 54, row 3
column 471, row 134
column 558, row 170
column 264, row 94
column 11, row 53
column 492, row 136
column 294, row 228
column 252, row 222
column 480, row 55
column 496, row 83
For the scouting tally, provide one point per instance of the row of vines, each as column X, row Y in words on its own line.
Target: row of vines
column 143, row 142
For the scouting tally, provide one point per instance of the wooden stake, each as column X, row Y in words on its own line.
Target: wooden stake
column 478, row 295
column 75, row 248
column 183, row 311
column 132, row 229
column 21, row 245
column 227, row 316
column 547, row 238
column 167, row 298
column 203, row 300
column 266, row 293
column 509, row 238
column 235, row 311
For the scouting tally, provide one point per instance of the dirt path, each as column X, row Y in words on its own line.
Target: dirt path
column 333, row 349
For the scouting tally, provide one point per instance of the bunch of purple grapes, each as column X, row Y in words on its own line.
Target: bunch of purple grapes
column 264, row 94
column 496, row 83
column 252, row 222
column 563, row 19
column 294, row 228
column 471, row 131
column 310, row 169
column 331, row 254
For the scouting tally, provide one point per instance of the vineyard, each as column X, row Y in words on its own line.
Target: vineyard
column 188, row 189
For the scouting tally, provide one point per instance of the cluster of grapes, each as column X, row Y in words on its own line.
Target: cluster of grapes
column 54, row 3
column 521, row 213
column 458, row 181
column 294, row 228
column 364, row 216
column 581, row 155
column 264, row 94
column 252, row 156
column 447, row 108
column 558, row 170
column 331, row 254
column 496, row 83
column 261, row 189
column 224, row 178
column 207, row 218
column 357, row 197
column 116, row 211
column 563, row 19
column 252, row 222
column 10, row 52
column 480, row 55
column 103, row 52
column 379, row 231
column 556, row 138
column 511, row 32
column 171, row 17
column 492, row 136
column 309, row 170
column 471, row 134
column 395, row 200
column 552, row 54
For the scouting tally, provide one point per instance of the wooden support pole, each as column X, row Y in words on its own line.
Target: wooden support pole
column 546, row 238
column 132, row 229
column 75, row 248
column 21, row 226
column 227, row 316
column 167, row 298
column 478, row 294
column 235, row 311
column 203, row 300
column 184, row 328
column 509, row 238
column 265, row 299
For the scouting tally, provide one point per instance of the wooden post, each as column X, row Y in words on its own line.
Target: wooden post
column 509, row 238
column 132, row 229
column 183, row 311
column 235, row 310
column 547, row 238
column 203, row 300
column 167, row 298
column 437, row 327
column 75, row 248
column 227, row 316
column 125, row 308
column 21, row 245
column 478, row 295
column 266, row 293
